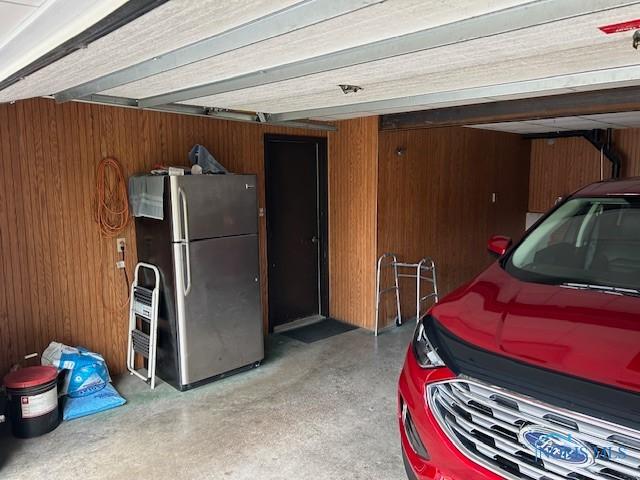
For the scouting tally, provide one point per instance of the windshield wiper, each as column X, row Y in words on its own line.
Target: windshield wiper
column 602, row 288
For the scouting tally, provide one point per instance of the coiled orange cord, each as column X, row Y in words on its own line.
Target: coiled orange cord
column 112, row 211
column 112, row 202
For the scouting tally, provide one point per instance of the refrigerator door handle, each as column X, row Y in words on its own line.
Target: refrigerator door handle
column 185, row 241
column 187, row 260
column 184, row 214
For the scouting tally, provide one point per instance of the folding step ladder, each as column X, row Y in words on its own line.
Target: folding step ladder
column 423, row 271
column 143, row 325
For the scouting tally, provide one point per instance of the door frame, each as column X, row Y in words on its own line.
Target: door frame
column 323, row 212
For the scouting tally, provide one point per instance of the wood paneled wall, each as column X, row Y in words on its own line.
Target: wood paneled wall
column 435, row 199
column 559, row 167
column 627, row 143
column 353, row 184
column 58, row 279
column 562, row 166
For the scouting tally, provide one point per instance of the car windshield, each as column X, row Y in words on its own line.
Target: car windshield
column 585, row 243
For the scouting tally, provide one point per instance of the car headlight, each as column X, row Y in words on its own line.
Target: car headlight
column 425, row 353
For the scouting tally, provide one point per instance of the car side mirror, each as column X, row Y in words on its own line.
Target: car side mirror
column 498, row 245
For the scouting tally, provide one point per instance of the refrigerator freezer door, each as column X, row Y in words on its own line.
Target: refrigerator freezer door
column 219, row 316
column 210, row 206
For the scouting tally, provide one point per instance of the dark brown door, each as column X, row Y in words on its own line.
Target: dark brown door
column 295, row 233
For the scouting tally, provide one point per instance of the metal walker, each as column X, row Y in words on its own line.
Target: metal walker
column 424, row 270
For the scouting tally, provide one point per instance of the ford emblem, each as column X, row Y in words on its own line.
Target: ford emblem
column 554, row 446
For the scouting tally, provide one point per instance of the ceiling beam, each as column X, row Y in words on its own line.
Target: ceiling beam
column 553, row 106
column 199, row 111
column 593, row 80
column 297, row 16
column 495, row 23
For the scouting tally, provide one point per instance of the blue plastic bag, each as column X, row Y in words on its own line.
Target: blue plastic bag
column 105, row 399
column 89, row 375
column 199, row 155
column 87, row 372
column 87, row 383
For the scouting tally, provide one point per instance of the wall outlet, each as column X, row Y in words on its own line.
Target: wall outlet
column 120, row 264
column 121, row 244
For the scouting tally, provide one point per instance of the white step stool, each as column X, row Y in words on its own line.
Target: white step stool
column 143, row 312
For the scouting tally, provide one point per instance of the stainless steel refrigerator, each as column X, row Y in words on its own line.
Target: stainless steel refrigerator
column 210, row 316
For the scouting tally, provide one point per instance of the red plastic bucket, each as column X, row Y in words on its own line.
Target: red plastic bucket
column 33, row 400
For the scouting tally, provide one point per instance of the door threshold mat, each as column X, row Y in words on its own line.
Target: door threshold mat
column 318, row 331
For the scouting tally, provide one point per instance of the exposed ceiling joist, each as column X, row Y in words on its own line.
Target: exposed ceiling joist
column 594, row 80
column 565, row 105
column 202, row 112
column 499, row 22
column 299, row 15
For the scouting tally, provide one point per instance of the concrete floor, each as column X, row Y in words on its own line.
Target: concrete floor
column 324, row 411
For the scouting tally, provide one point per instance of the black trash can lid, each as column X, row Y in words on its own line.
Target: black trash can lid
column 30, row 377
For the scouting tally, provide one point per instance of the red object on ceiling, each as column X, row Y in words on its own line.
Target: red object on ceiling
column 620, row 27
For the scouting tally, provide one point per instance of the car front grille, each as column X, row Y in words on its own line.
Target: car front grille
column 486, row 424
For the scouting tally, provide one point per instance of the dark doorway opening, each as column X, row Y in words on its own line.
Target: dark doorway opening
column 297, row 224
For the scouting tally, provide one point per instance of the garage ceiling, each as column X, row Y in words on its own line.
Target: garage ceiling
column 31, row 28
column 562, row 124
column 15, row 14
column 287, row 57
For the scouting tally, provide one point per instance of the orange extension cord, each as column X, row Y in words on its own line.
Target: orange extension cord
column 112, row 203
column 112, row 209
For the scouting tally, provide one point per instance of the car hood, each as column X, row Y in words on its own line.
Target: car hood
column 588, row 334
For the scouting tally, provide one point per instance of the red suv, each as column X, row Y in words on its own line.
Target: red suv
column 532, row 370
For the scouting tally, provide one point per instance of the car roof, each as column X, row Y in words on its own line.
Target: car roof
column 627, row 186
